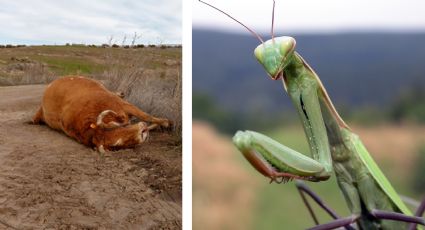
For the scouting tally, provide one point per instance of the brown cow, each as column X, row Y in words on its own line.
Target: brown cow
column 86, row 111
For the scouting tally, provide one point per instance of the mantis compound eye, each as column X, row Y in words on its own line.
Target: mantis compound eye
column 275, row 54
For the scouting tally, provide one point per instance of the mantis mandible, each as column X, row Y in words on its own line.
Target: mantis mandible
column 372, row 200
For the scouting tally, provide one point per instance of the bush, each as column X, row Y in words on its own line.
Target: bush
column 205, row 108
column 156, row 91
column 27, row 73
column 410, row 105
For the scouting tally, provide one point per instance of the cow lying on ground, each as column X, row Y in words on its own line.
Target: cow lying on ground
column 86, row 111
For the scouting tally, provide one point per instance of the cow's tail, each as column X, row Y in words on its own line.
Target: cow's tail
column 38, row 117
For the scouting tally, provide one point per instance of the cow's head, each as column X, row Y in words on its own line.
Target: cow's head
column 114, row 132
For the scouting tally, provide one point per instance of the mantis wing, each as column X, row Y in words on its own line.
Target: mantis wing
column 379, row 176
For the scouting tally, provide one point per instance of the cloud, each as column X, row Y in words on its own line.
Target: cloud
column 315, row 16
column 90, row 22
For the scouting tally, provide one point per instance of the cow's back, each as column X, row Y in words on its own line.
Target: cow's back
column 63, row 94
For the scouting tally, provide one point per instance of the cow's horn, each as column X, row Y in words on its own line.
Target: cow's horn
column 99, row 121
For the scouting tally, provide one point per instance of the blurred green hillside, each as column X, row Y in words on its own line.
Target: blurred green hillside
column 371, row 78
column 407, row 108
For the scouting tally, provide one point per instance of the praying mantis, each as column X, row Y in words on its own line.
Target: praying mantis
column 373, row 202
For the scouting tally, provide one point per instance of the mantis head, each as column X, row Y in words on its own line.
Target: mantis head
column 275, row 54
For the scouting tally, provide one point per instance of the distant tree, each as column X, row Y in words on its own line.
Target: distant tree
column 160, row 41
column 135, row 38
column 410, row 105
column 110, row 40
column 124, row 39
column 204, row 108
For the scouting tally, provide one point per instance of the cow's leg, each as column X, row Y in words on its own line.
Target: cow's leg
column 134, row 111
column 38, row 117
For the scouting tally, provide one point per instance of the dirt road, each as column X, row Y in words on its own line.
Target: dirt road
column 49, row 181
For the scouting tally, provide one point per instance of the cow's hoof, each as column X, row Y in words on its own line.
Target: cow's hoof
column 120, row 94
column 167, row 124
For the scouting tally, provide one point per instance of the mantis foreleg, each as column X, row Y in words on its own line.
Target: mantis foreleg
column 275, row 160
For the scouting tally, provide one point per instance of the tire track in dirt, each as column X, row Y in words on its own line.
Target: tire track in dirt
column 49, row 181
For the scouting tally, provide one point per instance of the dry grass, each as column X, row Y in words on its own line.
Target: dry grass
column 155, row 90
column 25, row 73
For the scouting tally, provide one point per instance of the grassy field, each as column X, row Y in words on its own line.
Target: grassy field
column 273, row 206
column 67, row 60
column 150, row 77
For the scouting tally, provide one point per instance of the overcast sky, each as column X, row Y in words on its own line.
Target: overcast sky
column 315, row 15
column 89, row 22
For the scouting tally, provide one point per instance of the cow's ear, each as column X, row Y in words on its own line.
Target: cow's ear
column 93, row 126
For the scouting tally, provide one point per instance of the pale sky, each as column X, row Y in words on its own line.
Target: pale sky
column 314, row 15
column 90, row 22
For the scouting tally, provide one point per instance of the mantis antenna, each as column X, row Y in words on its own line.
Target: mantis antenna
column 273, row 21
column 234, row 19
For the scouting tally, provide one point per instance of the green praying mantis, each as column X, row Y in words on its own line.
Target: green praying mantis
column 372, row 200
